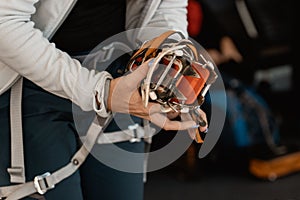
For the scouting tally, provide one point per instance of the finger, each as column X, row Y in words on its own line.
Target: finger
column 172, row 114
column 203, row 116
column 158, row 108
column 154, row 108
column 162, row 121
column 191, row 131
column 140, row 73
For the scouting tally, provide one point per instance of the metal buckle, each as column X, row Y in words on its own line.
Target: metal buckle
column 135, row 137
column 38, row 186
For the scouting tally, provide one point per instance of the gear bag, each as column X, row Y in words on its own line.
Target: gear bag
column 249, row 120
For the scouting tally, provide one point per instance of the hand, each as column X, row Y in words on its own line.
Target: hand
column 229, row 50
column 202, row 114
column 124, row 97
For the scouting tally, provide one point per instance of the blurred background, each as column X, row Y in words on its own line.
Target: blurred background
column 253, row 43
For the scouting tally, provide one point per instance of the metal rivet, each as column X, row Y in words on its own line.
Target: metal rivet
column 75, row 162
column 120, row 71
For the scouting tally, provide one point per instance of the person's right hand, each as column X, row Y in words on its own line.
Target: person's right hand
column 124, row 97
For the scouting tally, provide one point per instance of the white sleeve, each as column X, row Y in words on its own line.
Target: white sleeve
column 157, row 17
column 24, row 49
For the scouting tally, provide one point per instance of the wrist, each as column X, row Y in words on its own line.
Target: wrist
column 110, row 93
column 101, row 94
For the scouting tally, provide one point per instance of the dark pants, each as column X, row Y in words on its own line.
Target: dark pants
column 50, row 140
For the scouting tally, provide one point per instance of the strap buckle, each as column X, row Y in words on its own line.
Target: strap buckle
column 135, row 137
column 40, row 183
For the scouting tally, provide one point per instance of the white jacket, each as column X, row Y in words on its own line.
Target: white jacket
column 27, row 25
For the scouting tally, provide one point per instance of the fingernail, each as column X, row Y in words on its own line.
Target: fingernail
column 195, row 126
column 150, row 63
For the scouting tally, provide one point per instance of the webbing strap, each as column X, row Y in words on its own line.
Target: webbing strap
column 158, row 41
column 94, row 130
column 17, row 169
column 148, row 140
column 152, row 45
column 43, row 183
column 134, row 133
